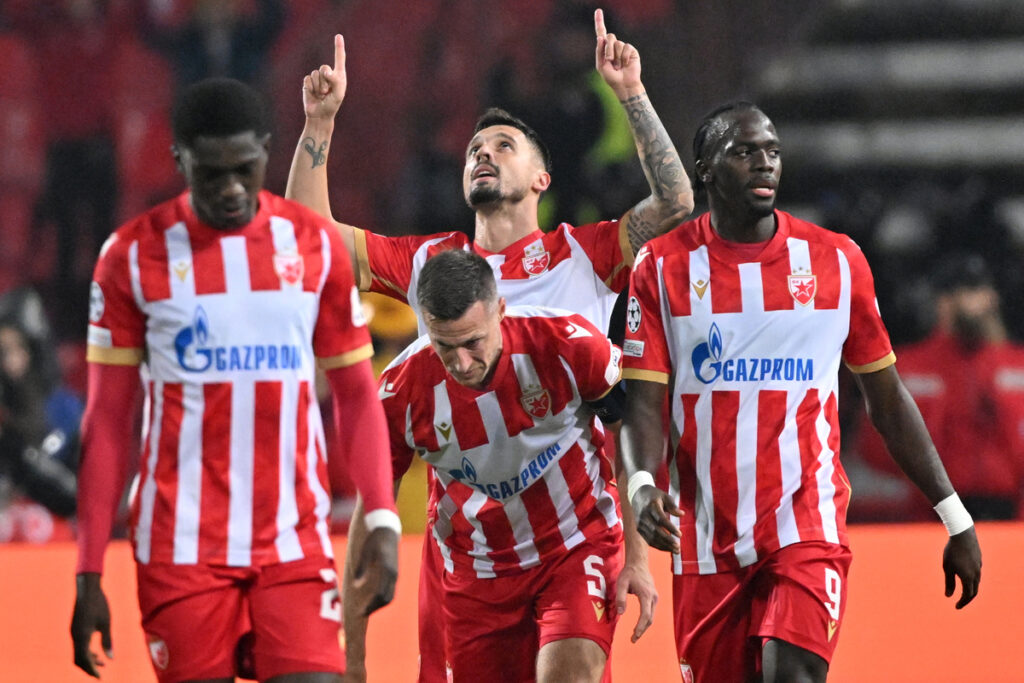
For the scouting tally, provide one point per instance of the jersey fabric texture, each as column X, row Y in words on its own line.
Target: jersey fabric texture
column 228, row 325
column 751, row 349
column 579, row 269
column 520, row 466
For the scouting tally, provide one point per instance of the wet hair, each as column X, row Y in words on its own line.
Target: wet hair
column 452, row 281
column 499, row 117
column 710, row 132
column 218, row 107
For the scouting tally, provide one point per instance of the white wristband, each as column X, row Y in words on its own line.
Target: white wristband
column 954, row 515
column 641, row 478
column 382, row 517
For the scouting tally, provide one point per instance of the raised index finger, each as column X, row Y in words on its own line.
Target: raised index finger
column 339, row 53
column 599, row 23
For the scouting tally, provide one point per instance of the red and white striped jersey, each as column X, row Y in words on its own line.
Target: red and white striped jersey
column 228, row 325
column 751, row 349
column 579, row 269
column 521, row 467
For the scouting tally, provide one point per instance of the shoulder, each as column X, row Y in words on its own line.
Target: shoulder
column 412, row 366
column 544, row 326
column 802, row 229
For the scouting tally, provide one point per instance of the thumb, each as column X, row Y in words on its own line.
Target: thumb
column 621, row 591
column 107, row 642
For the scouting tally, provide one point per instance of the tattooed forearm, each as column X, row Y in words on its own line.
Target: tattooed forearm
column 318, row 153
column 671, row 197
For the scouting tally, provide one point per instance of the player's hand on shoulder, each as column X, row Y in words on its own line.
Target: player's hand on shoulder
column 323, row 90
column 91, row 614
column 962, row 558
column 377, row 571
column 651, row 508
column 617, row 61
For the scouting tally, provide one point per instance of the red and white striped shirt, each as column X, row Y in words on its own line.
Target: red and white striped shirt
column 520, row 465
column 752, row 348
column 228, row 325
column 579, row 269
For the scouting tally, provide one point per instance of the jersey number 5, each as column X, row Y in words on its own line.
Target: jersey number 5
column 595, row 586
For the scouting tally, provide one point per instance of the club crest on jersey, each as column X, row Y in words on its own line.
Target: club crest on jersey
column 803, row 287
column 158, row 652
column 536, row 259
column 536, row 401
column 289, row 266
column 686, row 671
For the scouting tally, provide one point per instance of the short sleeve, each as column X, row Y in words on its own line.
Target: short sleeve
column 387, row 265
column 607, row 246
column 117, row 327
column 867, row 347
column 341, row 337
column 595, row 361
column 645, row 352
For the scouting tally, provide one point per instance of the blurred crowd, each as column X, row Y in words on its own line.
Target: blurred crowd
column 85, row 91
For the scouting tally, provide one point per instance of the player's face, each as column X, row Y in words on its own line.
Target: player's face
column 225, row 175
column 744, row 170
column 501, row 165
column 469, row 346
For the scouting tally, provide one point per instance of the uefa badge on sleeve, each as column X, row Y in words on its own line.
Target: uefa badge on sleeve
column 633, row 315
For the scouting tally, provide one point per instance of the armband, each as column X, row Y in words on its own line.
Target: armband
column 641, row 478
column 383, row 517
column 954, row 515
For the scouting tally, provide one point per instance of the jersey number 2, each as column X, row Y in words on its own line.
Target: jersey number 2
column 330, row 599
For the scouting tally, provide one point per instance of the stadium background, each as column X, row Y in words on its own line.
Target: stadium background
column 902, row 121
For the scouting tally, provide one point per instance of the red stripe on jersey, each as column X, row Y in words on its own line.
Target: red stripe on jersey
column 510, row 401
column 498, row 533
column 726, row 295
column 215, row 497
column 460, row 540
column 304, row 500
column 266, row 464
column 675, row 268
column 468, row 425
column 805, row 501
column 725, row 406
column 313, row 267
column 165, row 474
column 771, row 417
column 262, row 272
column 825, row 266
column 839, row 480
column 207, row 264
column 775, row 284
column 581, row 489
column 423, row 432
column 685, row 471
column 154, row 272
column 543, row 518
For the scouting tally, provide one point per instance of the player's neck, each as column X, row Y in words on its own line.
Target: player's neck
column 743, row 229
column 498, row 229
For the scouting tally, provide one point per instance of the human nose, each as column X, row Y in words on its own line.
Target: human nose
column 233, row 185
column 462, row 361
column 763, row 159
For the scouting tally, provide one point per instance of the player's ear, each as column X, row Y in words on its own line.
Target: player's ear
column 541, row 181
column 501, row 308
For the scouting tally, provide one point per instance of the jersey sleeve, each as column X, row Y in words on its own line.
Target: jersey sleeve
column 645, row 351
column 867, row 347
column 341, row 337
column 117, row 326
column 395, row 409
column 595, row 361
column 387, row 265
column 607, row 246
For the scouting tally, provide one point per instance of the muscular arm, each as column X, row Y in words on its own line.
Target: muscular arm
column 671, row 198
column 895, row 415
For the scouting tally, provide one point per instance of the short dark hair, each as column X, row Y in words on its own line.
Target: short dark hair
column 496, row 116
column 709, row 132
column 218, row 107
column 452, row 281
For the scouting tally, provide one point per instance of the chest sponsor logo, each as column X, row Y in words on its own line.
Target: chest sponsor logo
column 536, row 401
column 506, row 488
column 803, row 287
column 536, row 259
column 289, row 266
column 711, row 363
column 195, row 353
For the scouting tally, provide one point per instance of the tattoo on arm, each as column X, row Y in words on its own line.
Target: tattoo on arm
column 319, row 154
column 671, row 194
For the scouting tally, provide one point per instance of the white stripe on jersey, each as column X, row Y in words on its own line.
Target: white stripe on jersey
column 700, row 271
column 147, row 491
column 190, row 476
column 483, row 565
column 525, row 548
column 446, row 509
column 746, row 475
column 135, row 276
column 236, row 264
column 282, row 231
column 751, row 288
column 322, row 499
column 243, row 403
column 826, row 470
column 287, row 541
column 704, row 505
column 442, row 416
column 792, row 470
column 180, row 272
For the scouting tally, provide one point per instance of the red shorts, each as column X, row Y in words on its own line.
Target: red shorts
column 195, row 618
column 497, row 626
column 796, row 594
column 433, row 662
